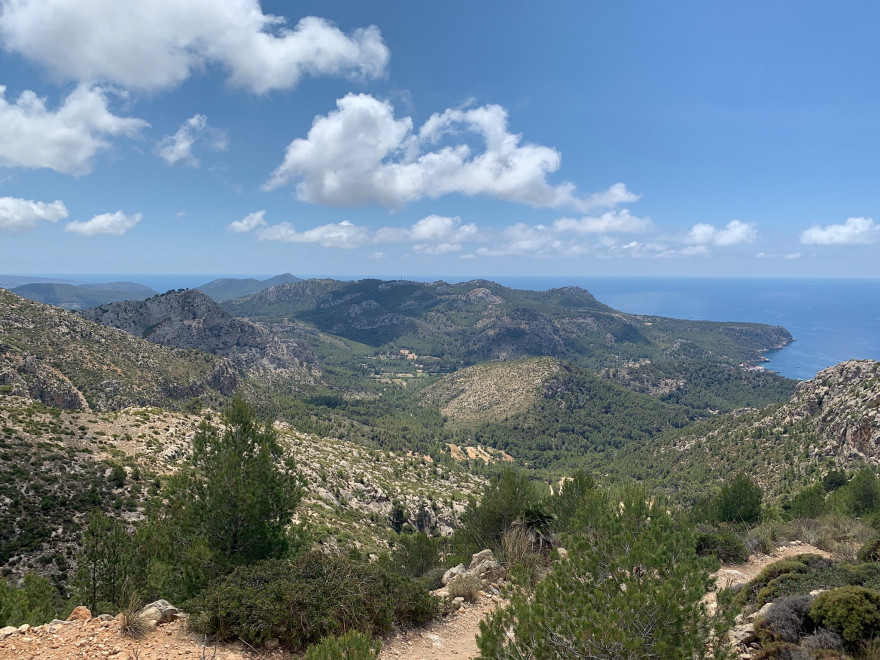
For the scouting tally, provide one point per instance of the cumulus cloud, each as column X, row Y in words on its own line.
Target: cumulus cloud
column 343, row 235
column 248, row 223
column 65, row 140
column 177, row 149
column 854, row 231
column 735, row 232
column 19, row 215
column 613, row 221
column 361, row 153
column 115, row 224
column 433, row 234
column 522, row 239
column 155, row 44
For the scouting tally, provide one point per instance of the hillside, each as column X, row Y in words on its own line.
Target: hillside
column 472, row 322
column 58, row 465
column 63, row 360
column 227, row 288
column 832, row 421
column 80, row 296
column 192, row 320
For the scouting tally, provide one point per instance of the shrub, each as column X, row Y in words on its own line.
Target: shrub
column 34, row 602
column 350, row 646
column 823, row 639
column 784, row 621
column 465, row 586
column 415, row 554
column 582, row 608
column 870, row 551
column 781, row 651
column 852, row 611
column 722, row 543
column 770, row 573
column 309, row 598
column 739, row 501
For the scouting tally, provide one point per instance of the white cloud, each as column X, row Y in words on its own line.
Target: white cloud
column 115, row 224
column 177, row 149
column 854, row 231
column 155, row 44
column 18, row 215
column 335, row 235
column 522, row 239
column 612, row 221
column 361, row 154
column 735, row 232
column 65, row 140
column 248, row 223
column 433, row 234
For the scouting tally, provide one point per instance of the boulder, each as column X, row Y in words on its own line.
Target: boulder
column 159, row 611
column 480, row 557
column 489, row 571
column 453, row 573
column 7, row 631
column 80, row 613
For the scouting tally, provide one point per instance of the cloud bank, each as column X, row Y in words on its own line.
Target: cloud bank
column 20, row 215
column 156, row 44
column 361, row 153
column 65, row 140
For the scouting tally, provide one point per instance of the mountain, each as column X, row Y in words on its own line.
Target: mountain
column 227, row 288
column 472, row 322
column 191, row 320
column 831, row 422
column 12, row 281
column 66, row 361
column 80, row 296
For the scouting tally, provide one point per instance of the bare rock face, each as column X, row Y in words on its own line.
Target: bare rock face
column 190, row 319
column 26, row 375
column 842, row 403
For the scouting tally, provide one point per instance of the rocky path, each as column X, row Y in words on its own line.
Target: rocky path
column 450, row 637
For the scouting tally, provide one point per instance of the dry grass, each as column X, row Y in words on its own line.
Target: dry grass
column 133, row 624
column 465, row 586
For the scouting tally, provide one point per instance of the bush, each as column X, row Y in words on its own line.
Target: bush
column 465, row 586
column 631, row 588
column 34, row 602
column 505, row 499
column 739, row 501
column 722, row 543
column 784, row 621
column 350, row 646
column 870, row 551
column 852, row 611
column 309, row 598
column 823, row 639
column 415, row 554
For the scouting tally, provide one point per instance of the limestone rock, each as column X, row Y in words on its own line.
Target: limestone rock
column 453, row 573
column 160, row 611
column 80, row 613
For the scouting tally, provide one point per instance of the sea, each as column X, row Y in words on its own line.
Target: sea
column 832, row 320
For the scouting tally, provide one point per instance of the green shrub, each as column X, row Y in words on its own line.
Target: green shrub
column 870, row 551
column 739, row 501
column 350, row 646
column 309, row 598
column 755, row 585
column 465, row 586
column 415, row 554
column 34, row 602
column 722, row 543
column 631, row 588
column 852, row 611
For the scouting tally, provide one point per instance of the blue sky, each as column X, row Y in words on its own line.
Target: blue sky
column 457, row 138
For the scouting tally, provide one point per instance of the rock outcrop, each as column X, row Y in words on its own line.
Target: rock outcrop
column 190, row 319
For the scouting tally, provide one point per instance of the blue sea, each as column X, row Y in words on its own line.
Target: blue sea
column 832, row 320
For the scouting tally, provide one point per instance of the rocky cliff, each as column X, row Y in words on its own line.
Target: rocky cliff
column 65, row 361
column 190, row 319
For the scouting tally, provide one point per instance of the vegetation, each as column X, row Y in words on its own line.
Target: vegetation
column 303, row 600
column 349, row 646
column 631, row 587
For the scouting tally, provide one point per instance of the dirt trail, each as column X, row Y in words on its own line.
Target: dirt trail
column 452, row 636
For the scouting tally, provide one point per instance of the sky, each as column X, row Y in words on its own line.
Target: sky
column 400, row 138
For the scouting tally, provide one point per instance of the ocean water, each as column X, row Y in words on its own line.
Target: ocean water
column 832, row 320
